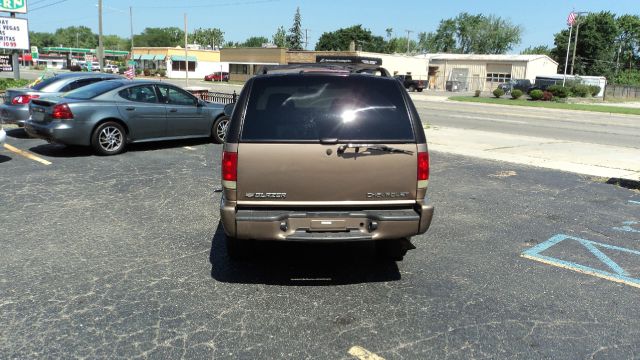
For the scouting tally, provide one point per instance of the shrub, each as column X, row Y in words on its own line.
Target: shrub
column 580, row 90
column 558, row 91
column 138, row 71
column 147, row 72
column 6, row 83
column 536, row 94
column 498, row 92
column 594, row 89
column 75, row 68
column 547, row 96
column 162, row 72
column 477, row 93
column 516, row 93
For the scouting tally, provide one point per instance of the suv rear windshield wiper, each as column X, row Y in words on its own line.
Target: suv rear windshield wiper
column 378, row 147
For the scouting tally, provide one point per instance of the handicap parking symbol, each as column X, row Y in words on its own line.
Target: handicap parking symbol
column 614, row 273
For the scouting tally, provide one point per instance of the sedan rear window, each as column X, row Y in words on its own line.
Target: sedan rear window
column 93, row 90
column 40, row 86
column 313, row 107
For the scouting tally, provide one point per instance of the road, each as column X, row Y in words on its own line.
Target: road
column 123, row 256
column 582, row 126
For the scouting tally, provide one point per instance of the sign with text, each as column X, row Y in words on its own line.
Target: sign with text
column 15, row 6
column 14, row 33
column 5, row 63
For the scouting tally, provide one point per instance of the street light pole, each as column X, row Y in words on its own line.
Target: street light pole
column 566, row 61
column 575, row 42
column 131, row 25
column 408, row 34
column 100, row 46
column 186, row 53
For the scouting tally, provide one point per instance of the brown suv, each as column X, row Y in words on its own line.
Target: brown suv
column 324, row 156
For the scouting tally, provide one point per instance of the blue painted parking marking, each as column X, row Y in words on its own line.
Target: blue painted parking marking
column 627, row 226
column 617, row 273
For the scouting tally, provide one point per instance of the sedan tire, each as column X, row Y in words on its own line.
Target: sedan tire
column 219, row 129
column 109, row 138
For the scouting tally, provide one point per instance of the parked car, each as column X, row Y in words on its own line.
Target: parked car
column 324, row 156
column 111, row 68
column 16, row 103
column 95, row 66
column 217, row 76
column 523, row 85
column 410, row 84
column 111, row 114
column 3, row 136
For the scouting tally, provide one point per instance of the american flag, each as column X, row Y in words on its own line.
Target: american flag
column 571, row 19
column 130, row 73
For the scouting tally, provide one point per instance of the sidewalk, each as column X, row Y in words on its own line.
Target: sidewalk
column 577, row 157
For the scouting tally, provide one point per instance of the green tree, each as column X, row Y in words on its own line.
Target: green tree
column 596, row 48
column 294, row 38
column 399, row 45
column 212, row 37
column 76, row 36
column 342, row 38
column 160, row 37
column 255, row 41
column 115, row 42
column 472, row 34
column 537, row 50
column 280, row 37
column 41, row 39
column 389, row 32
column 628, row 42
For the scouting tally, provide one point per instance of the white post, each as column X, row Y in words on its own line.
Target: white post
column 186, row 54
column 566, row 61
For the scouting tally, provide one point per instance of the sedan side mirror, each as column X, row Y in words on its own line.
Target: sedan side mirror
column 228, row 109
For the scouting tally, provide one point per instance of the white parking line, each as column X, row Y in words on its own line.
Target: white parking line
column 189, row 148
column 27, row 154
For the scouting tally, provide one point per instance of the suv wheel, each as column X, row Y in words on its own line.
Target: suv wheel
column 109, row 138
column 219, row 130
column 411, row 88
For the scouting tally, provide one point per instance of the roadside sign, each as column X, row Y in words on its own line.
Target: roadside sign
column 34, row 52
column 131, row 63
column 5, row 63
column 14, row 6
column 14, row 33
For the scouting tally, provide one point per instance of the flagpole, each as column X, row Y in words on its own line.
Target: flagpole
column 566, row 61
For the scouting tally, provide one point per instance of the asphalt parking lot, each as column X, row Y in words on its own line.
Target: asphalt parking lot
column 123, row 257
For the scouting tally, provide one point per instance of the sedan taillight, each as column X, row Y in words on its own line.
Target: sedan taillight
column 61, row 112
column 23, row 99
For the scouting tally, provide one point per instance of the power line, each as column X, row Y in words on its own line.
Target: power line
column 208, row 5
column 46, row 6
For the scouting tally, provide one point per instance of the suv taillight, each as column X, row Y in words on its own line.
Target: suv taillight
column 229, row 169
column 61, row 111
column 423, row 169
column 23, row 99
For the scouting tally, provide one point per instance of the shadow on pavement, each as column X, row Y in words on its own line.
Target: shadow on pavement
column 57, row 150
column 295, row 264
column 4, row 159
column 18, row 133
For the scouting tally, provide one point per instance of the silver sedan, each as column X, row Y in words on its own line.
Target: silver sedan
column 110, row 114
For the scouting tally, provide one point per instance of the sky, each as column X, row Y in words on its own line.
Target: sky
column 240, row 19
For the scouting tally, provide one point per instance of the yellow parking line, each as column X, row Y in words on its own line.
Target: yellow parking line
column 27, row 154
column 363, row 354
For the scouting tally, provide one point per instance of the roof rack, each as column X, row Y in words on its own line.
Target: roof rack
column 323, row 68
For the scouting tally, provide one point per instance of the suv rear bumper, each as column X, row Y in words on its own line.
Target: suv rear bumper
column 331, row 225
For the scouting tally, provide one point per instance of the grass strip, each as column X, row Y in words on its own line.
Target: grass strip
column 549, row 105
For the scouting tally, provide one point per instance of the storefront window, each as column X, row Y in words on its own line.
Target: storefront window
column 179, row 66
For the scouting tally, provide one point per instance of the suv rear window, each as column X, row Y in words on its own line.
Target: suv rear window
column 312, row 107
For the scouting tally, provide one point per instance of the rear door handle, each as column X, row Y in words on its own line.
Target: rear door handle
column 173, row 110
column 131, row 108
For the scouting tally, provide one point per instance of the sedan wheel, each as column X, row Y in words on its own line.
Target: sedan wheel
column 108, row 139
column 220, row 127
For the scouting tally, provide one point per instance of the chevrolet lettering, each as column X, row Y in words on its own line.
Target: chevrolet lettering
column 387, row 195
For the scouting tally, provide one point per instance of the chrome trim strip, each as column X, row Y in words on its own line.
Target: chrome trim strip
column 326, row 203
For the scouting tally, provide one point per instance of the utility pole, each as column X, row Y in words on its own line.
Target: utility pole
column 408, row 34
column 100, row 46
column 131, row 25
column 306, row 38
column 186, row 53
